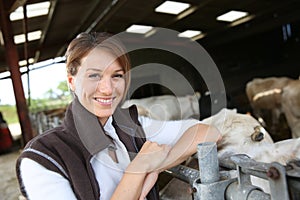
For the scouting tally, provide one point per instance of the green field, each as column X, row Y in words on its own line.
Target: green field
column 53, row 99
column 9, row 113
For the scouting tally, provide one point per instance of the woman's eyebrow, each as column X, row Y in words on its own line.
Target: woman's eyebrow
column 100, row 70
column 93, row 69
column 120, row 70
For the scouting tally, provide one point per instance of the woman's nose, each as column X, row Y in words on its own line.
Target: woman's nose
column 105, row 86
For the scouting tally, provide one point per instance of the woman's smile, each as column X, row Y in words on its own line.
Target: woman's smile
column 105, row 101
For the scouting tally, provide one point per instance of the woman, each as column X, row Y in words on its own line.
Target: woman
column 102, row 151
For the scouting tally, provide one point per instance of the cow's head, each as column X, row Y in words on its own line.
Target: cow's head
column 241, row 132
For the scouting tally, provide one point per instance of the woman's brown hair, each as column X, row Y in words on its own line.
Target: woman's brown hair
column 84, row 43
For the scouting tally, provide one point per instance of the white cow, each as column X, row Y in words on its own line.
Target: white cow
column 277, row 95
column 264, row 95
column 291, row 106
column 240, row 138
column 242, row 134
column 167, row 107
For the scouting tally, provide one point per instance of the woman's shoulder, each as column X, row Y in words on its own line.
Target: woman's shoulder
column 48, row 138
column 52, row 148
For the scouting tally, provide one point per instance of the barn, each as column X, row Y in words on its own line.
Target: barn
column 193, row 60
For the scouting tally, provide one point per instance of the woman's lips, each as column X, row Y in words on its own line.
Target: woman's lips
column 105, row 101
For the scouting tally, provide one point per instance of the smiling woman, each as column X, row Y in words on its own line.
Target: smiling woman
column 102, row 151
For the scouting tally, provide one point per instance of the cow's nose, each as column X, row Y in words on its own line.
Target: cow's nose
column 257, row 137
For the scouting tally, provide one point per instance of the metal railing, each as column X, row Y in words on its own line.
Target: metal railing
column 229, row 178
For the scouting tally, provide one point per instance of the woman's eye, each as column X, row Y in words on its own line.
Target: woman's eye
column 93, row 76
column 118, row 76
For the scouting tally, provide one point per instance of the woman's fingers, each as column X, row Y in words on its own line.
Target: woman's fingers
column 150, row 157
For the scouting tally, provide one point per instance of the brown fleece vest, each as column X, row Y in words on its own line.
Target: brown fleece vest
column 65, row 151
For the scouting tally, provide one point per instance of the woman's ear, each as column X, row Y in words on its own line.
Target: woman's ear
column 71, row 83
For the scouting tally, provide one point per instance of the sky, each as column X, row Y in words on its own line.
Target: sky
column 41, row 80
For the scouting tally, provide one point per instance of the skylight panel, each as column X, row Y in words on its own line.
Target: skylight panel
column 33, row 10
column 35, row 35
column 141, row 29
column 172, row 7
column 232, row 16
column 189, row 33
column 24, row 62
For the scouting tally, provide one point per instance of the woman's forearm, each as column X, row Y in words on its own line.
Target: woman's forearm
column 130, row 186
column 187, row 144
column 147, row 160
column 185, row 147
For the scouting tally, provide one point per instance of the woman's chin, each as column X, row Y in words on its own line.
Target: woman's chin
column 105, row 113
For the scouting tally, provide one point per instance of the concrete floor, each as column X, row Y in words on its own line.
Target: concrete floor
column 9, row 188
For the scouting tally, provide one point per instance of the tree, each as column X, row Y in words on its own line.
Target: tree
column 63, row 88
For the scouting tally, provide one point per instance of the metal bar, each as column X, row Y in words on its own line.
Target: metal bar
column 184, row 173
column 25, row 30
column 212, row 184
column 235, row 191
column 277, row 179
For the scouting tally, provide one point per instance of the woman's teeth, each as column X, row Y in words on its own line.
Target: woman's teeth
column 104, row 100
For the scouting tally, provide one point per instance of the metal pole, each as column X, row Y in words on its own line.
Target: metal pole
column 208, row 162
column 25, row 30
column 209, row 186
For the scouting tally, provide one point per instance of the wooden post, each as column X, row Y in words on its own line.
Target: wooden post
column 12, row 60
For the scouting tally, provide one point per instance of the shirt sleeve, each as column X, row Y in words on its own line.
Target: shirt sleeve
column 41, row 183
column 165, row 132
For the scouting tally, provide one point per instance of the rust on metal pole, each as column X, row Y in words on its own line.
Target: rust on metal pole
column 12, row 59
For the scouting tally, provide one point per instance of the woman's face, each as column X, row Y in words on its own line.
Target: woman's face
column 99, row 83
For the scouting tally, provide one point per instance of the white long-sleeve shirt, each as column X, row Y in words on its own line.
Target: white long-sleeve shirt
column 41, row 183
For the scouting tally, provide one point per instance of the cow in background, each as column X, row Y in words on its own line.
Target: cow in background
column 265, row 97
column 279, row 97
column 291, row 106
column 167, row 107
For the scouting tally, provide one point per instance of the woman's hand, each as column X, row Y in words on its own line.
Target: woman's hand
column 149, row 158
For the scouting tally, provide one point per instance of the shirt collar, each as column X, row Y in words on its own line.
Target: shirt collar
column 89, row 129
column 108, row 125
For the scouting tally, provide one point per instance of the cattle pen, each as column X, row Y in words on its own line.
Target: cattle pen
column 218, row 179
column 229, row 178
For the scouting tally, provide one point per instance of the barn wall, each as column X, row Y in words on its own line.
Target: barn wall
column 175, row 74
column 239, row 61
column 263, row 55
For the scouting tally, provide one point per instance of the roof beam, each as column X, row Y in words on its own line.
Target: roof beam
column 95, row 8
column 253, row 27
column 45, row 30
column 106, row 15
column 14, row 4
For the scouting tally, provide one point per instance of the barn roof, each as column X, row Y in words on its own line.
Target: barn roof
column 66, row 18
